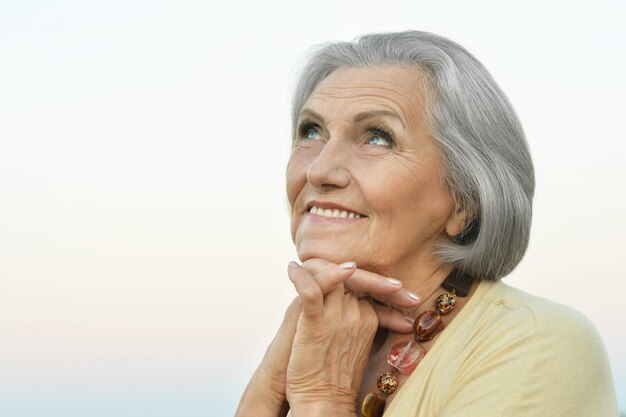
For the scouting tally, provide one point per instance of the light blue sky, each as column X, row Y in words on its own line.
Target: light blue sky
column 143, row 224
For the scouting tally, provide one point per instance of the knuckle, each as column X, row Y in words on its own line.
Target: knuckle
column 309, row 295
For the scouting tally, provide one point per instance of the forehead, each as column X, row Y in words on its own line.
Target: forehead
column 347, row 90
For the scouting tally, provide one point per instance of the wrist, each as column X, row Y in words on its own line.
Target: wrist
column 261, row 398
column 271, row 382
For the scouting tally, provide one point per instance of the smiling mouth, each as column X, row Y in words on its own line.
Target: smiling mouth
column 335, row 213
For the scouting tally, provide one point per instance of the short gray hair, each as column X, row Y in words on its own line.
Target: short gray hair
column 488, row 165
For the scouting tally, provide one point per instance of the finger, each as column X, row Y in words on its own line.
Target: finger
column 363, row 282
column 334, row 300
column 309, row 292
column 402, row 298
column 368, row 314
column 350, row 313
column 385, row 289
column 315, row 265
column 329, row 278
column 393, row 320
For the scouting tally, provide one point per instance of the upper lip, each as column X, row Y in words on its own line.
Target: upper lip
column 330, row 205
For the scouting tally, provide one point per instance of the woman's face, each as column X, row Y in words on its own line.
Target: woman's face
column 365, row 180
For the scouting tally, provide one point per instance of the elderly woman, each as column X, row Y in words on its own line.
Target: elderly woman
column 410, row 185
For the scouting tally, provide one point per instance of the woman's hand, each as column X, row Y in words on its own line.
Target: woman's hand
column 387, row 291
column 266, row 391
column 328, row 275
column 331, row 346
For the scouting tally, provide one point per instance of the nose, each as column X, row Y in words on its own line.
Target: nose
column 329, row 170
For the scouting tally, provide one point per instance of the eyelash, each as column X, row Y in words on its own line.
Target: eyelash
column 382, row 132
column 304, row 128
column 379, row 130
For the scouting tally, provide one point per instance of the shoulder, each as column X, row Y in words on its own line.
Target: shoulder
column 510, row 353
column 538, row 319
column 500, row 318
column 547, row 352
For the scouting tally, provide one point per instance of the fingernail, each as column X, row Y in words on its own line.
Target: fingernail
column 413, row 296
column 348, row 265
column 293, row 264
column 394, row 282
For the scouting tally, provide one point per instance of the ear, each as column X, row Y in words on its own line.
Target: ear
column 456, row 222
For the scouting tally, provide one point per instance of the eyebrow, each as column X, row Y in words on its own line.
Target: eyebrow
column 359, row 117
column 376, row 113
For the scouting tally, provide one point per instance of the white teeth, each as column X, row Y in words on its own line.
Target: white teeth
column 334, row 213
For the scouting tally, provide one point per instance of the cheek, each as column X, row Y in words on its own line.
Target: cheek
column 299, row 161
column 389, row 188
column 407, row 196
column 294, row 179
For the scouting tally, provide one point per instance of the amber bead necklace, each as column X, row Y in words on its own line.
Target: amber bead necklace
column 405, row 356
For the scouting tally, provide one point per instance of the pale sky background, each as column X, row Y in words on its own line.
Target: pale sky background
column 143, row 225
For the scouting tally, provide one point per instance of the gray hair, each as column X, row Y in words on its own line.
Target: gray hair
column 488, row 165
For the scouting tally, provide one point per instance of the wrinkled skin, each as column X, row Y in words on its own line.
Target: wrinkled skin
column 362, row 147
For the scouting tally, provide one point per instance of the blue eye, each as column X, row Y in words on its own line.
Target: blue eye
column 379, row 140
column 380, row 137
column 312, row 133
column 309, row 131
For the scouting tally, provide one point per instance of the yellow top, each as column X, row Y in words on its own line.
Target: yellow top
column 509, row 353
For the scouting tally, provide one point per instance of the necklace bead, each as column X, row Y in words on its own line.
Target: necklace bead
column 405, row 356
column 445, row 303
column 387, row 383
column 427, row 325
column 373, row 405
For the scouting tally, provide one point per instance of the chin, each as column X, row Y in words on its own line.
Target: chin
column 337, row 256
column 328, row 253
